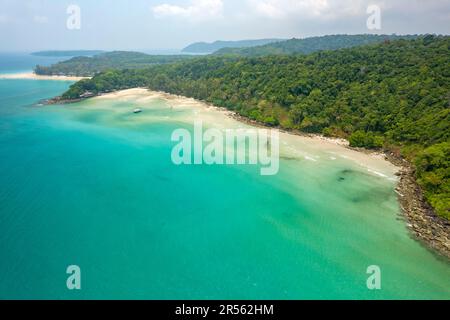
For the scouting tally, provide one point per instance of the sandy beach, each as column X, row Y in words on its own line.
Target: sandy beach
column 291, row 145
column 33, row 76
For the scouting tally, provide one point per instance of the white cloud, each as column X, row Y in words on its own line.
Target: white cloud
column 280, row 9
column 40, row 19
column 317, row 9
column 197, row 10
column 268, row 9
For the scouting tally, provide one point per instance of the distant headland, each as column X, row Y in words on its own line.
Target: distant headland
column 67, row 53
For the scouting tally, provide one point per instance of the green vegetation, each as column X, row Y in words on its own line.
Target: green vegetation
column 393, row 95
column 204, row 47
column 433, row 171
column 67, row 53
column 89, row 66
column 313, row 44
column 369, row 140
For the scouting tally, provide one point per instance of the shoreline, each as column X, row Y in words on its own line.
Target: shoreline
column 423, row 224
column 33, row 76
column 421, row 221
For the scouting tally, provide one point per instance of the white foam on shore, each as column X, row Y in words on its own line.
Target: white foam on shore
column 377, row 173
column 310, row 158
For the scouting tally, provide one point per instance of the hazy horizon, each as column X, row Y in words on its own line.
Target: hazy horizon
column 170, row 51
column 170, row 25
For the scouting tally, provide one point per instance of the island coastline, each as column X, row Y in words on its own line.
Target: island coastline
column 33, row 76
column 420, row 219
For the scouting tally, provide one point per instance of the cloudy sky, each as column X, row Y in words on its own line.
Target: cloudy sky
column 171, row 24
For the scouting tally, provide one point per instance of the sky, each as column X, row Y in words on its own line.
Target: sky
column 151, row 25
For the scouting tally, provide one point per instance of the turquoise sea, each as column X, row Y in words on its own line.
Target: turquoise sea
column 88, row 184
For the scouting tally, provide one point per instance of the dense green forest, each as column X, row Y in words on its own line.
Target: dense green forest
column 89, row 66
column 394, row 95
column 205, row 47
column 313, row 44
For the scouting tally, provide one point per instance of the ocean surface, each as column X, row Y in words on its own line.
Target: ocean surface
column 16, row 62
column 92, row 184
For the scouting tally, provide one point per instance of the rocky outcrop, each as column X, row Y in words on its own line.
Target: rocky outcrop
column 423, row 223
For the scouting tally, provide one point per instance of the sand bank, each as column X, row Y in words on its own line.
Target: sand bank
column 33, row 76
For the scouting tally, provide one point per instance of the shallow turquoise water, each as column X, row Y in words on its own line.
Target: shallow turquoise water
column 85, row 187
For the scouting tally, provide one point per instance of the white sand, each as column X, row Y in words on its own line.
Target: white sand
column 33, row 76
column 312, row 148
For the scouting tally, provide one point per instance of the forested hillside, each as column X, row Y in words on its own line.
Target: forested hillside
column 313, row 44
column 394, row 95
column 205, row 47
column 89, row 66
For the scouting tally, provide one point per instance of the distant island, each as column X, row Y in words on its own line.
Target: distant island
column 89, row 66
column 312, row 44
column 67, row 53
column 205, row 47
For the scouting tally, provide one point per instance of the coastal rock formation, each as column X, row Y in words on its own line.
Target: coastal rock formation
column 424, row 224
